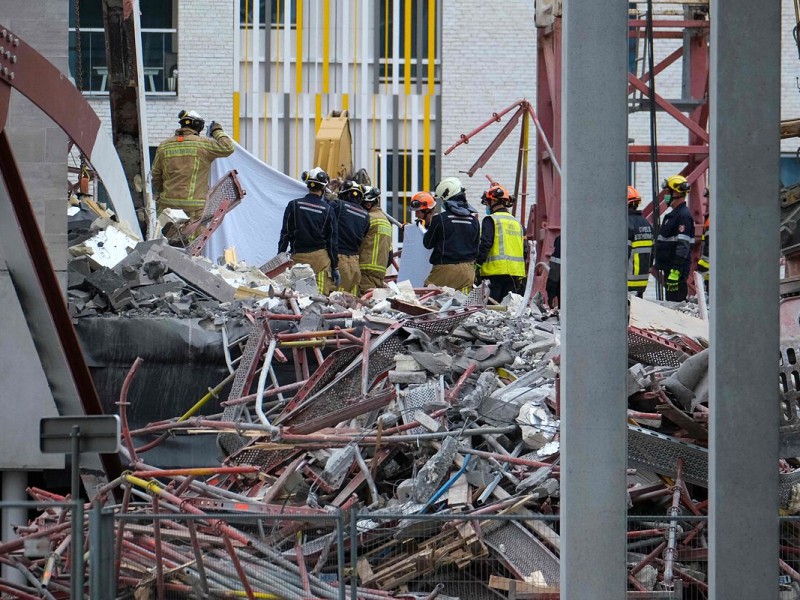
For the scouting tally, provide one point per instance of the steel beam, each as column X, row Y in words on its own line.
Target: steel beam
column 594, row 354
column 745, row 48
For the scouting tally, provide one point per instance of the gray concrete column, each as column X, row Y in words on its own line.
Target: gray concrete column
column 14, row 484
column 745, row 111
column 594, row 254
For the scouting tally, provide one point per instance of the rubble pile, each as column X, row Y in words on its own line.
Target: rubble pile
column 422, row 403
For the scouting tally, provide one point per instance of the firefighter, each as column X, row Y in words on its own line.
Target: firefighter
column 183, row 162
column 640, row 245
column 704, row 263
column 553, row 285
column 423, row 205
column 453, row 237
column 309, row 231
column 352, row 226
column 376, row 249
column 501, row 252
column 675, row 239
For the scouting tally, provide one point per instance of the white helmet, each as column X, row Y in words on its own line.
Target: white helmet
column 448, row 187
column 191, row 119
column 315, row 177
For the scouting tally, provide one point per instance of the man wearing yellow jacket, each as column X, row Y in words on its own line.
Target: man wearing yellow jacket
column 375, row 251
column 183, row 162
column 501, row 252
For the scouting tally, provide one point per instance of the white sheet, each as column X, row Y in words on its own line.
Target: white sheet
column 415, row 259
column 254, row 226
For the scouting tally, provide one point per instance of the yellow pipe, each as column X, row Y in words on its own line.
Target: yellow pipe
column 303, row 344
column 326, row 43
column 407, row 48
column 202, row 402
column 426, row 142
column 236, row 116
column 149, row 486
column 243, row 594
column 431, row 46
column 298, row 73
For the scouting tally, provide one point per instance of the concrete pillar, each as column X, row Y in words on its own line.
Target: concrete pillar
column 594, row 254
column 745, row 111
column 14, row 484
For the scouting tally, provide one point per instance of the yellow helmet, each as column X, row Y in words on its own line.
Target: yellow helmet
column 677, row 183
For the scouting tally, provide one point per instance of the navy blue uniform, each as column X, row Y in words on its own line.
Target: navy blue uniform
column 553, row 286
column 309, row 224
column 640, row 251
column 353, row 224
column 453, row 235
column 674, row 248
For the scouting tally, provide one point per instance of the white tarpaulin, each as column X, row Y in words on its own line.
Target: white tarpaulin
column 415, row 260
column 254, row 226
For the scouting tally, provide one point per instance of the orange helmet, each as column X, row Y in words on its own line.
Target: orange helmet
column 495, row 193
column 422, row 201
column 633, row 195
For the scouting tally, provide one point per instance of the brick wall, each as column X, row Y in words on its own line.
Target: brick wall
column 488, row 62
column 205, row 70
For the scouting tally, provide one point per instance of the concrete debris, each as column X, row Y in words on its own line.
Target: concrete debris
column 396, row 404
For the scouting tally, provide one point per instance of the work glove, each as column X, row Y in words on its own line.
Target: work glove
column 336, row 277
column 672, row 280
column 212, row 127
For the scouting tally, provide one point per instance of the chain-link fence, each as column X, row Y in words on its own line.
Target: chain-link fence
column 219, row 552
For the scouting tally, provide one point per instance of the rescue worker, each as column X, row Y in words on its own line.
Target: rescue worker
column 183, row 162
column 423, row 204
column 309, row 231
column 501, row 252
column 376, row 249
column 553, row 285
column 640, row 245
column 453, row 237
column 352, row 226
column 704, row 263
column 675, row 239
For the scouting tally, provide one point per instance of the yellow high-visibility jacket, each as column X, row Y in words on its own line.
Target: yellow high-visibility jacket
column 507, row 254
column 377, row 244
column 182, row 164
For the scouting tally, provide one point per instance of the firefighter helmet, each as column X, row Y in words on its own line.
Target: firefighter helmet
column 422, row 201
column 678, row 184
column 496, row 194
column 448, row 187
column 351, row 191
column 316, row 178
column 192, row 120
column 634, row 197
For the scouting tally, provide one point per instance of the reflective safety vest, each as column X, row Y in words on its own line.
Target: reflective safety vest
column 374, row 254
column 640, row 251
column 507, row 255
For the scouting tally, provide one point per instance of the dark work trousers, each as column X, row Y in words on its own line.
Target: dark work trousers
column 501, row 285
column 680, row 294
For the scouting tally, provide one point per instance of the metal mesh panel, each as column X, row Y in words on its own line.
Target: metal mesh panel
column 414, row 399
column 660, row 453
column 251, row 355
column 522, row 552
column 227, row 188
column 790, row 381
column 787, row 483
column 441, row 323
column 649, row 349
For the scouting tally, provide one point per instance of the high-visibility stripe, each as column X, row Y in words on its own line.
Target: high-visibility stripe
column 431, row 46
column 407, row 48
column 236, row 116
column 636, row 263
column 326, row 45
column 642, row 243
column 676, row 238
column 426, row 141
column 298, row 67
column 637, row 284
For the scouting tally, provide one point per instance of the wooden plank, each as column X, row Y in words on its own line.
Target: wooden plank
column 523, row 589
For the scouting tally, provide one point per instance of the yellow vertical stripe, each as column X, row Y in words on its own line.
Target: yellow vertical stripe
column 355, row 47
column 426, row 142
column 279, row 26
column 431, row 46
column 236, row 116
column 407, row 48
column 298, row 72
column 387, row 8
column 317, row 111
column 326, row 44
column 636, row 263
column 345, row 101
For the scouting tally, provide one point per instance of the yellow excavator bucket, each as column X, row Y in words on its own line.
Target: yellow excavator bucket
column 333, row 146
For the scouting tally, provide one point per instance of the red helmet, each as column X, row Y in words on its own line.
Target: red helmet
column 422, row 201
column 633, row 195
column 496, row 193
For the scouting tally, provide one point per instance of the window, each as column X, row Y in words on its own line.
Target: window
column 277, row 9
column 419, row 64
column 159, row 46
column 395, row 205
